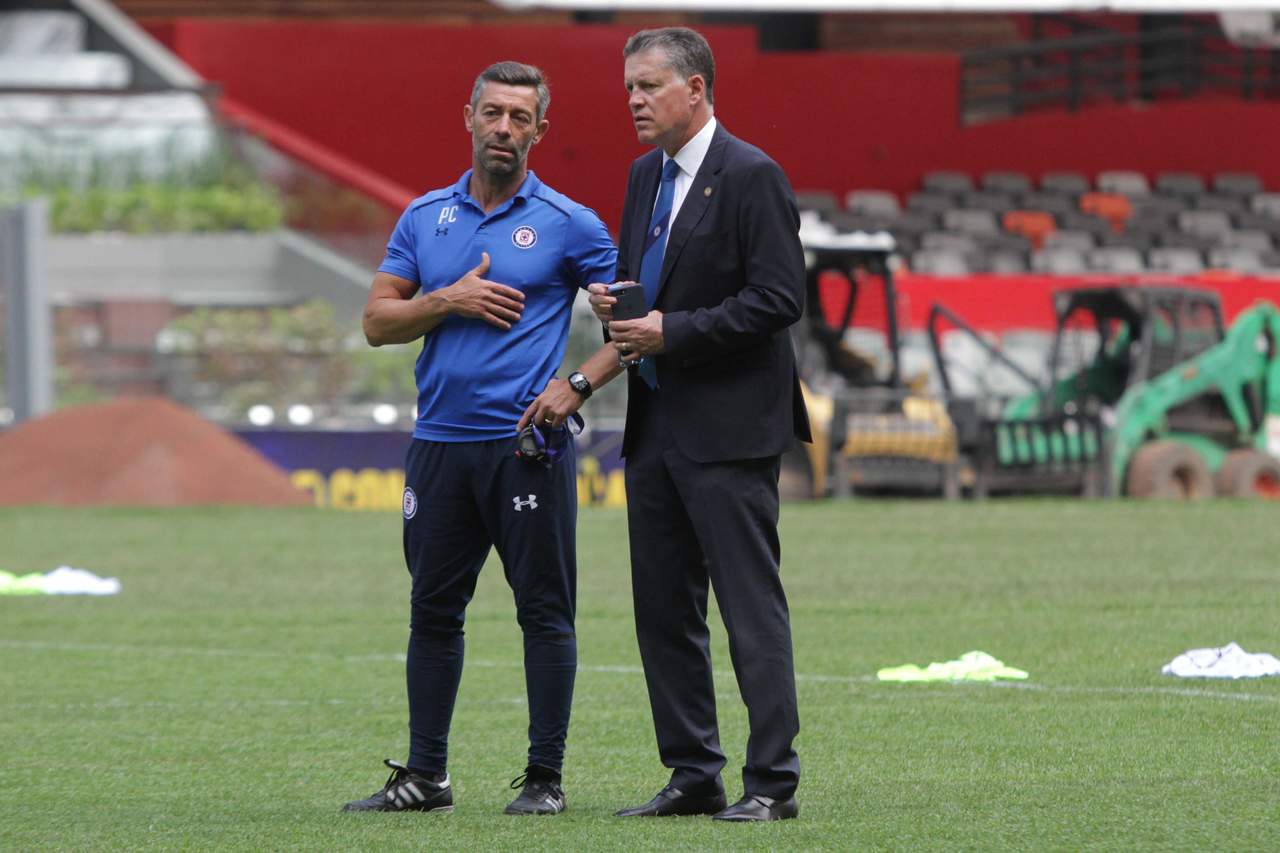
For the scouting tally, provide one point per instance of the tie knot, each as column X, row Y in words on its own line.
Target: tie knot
column 670, row 170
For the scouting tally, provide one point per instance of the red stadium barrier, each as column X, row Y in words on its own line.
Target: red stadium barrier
column 324, row 160
column 1001, row 302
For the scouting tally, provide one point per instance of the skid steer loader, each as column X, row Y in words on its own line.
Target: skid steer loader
column 1170, row 404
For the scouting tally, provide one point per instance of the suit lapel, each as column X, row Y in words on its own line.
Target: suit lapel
column 695, row 204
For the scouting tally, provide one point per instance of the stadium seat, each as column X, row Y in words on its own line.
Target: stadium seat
column 1267, row 204
column 1204, row 222
column 1077, row 221
column 1048, row 202
column 1148, row 231
column 1006, row 262
column 1255, row 241
column 1121, row 260
column 1179, row 183
column 846, row 222
column 996, row 202
column 1079, row 348
column 1005, row 242
column 1112, row 207
column 939, row 262
column 1029, row 349
column 1158, row 205
column 871, row 343
column 965, row 359
column 1032, row 224
column 873, row 202
column 1123, row 183
column 947, row 182
column 916, row 358
column 970, row 221
column 1237, row 183
column 1258, row 222
column 1177, row 239
column 1059, row 261
column 1231, row 205
column 819, row 200
column 917, row 221
column 1006, row 182
column 950, row 241
column 932, row 202
column 1129, row 239
column 1175, row 260
column 1081, row 241
column 1237, row 259
column 1067, row 183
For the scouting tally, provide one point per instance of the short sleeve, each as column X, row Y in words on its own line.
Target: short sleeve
column 589, row 250
column 402, row 258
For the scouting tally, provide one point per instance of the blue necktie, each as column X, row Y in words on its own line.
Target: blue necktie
column 655, row 245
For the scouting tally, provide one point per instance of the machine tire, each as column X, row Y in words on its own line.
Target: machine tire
column 1168, row 470
column 1249, row 474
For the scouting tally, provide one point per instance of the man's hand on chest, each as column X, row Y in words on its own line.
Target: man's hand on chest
column 478, row 298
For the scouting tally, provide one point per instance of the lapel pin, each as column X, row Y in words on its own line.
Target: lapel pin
column 707, row 192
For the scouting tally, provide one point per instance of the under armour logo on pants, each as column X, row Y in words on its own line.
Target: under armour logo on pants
column 531, row 503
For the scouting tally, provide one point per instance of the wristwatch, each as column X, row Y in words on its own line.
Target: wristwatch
column 580, row 383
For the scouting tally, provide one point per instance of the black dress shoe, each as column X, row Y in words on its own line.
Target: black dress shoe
column 671, row 802
column 757, row 807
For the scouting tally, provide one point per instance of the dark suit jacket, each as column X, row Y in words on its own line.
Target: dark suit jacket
column 733, row 280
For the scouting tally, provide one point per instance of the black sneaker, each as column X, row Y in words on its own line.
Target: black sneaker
column 541, row 792
column 406, row 791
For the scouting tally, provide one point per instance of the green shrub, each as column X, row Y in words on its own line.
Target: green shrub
column 153, row 208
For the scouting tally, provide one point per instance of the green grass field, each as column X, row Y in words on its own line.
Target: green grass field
column 249, row 680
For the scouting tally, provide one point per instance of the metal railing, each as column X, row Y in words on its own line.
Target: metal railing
column 1181, row 60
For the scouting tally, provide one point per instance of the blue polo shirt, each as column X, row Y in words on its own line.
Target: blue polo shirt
column 475, row 380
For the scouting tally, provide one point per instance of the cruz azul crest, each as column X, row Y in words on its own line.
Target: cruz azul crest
column 524, row 237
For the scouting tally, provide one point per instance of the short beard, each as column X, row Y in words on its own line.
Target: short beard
column 495, row 167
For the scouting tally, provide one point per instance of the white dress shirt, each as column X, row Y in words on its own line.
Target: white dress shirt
column 689, row 159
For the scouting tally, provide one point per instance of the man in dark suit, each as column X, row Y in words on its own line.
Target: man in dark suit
column 709, row 228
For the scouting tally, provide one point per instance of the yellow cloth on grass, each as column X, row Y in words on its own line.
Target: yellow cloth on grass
column 972, row 666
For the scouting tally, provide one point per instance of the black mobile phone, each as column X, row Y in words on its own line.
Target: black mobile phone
column 631, row 302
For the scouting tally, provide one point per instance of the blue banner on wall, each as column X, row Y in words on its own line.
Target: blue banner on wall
column 364, row 470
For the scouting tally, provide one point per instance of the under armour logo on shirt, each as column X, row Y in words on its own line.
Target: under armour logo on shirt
column 531, row 503
column 442, row 232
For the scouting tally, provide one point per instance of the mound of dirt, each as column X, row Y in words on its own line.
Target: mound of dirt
column 148, row 452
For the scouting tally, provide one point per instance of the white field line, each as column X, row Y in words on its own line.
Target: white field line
column 196, row 651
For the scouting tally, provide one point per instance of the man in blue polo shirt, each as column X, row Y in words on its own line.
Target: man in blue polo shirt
column 485, row 273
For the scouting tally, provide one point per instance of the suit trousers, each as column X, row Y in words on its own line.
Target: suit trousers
column 691, row 524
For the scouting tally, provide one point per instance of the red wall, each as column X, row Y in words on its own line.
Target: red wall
column 998, row 303
column 390, row 97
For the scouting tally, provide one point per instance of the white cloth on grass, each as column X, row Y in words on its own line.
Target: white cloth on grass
column 1230, row 661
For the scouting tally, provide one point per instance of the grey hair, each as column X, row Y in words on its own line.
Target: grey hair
column 514, row 74
column 687, row 53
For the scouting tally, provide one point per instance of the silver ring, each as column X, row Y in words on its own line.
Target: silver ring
column 548, row 421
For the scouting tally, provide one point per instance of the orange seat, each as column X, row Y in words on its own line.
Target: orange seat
column 1114, row 208
column 1035, row 225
